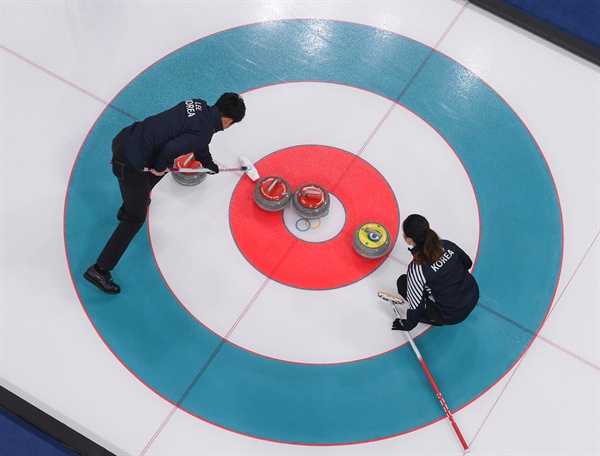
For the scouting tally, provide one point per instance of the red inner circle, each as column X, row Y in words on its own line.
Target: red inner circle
column 270, row 247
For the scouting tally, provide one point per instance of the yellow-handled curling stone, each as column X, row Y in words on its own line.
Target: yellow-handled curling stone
column 372, row 240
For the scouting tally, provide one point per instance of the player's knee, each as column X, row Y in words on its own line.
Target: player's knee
column 401, row 284
column 131, row 217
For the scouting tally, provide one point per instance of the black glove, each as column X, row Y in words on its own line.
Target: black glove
column 397, row 325
column 214, row 169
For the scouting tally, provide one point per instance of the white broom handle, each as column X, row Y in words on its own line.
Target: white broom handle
column 197, row 170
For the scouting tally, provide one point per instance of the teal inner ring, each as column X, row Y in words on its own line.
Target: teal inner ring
column 517, row 267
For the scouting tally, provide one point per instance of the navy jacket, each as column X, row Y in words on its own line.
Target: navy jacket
column 447, row 281
column 158, row 140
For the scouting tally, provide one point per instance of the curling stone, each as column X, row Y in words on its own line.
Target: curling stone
column 311, row 201
column 188, row 161
column 272, row 193
column 372, row 240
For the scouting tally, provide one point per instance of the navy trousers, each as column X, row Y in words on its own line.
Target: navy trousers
column 135, row 187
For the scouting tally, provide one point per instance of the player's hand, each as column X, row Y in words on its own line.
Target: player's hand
column 214, row 169
column 397, row 324
column 158, row 173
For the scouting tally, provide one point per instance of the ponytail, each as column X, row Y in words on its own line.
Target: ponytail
column 417, row 228
column 432, row 247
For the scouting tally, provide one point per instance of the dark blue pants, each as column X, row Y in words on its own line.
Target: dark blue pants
column 135, row 187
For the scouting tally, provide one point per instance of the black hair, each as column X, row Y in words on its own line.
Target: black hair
column 417, row 228
column 231, row 105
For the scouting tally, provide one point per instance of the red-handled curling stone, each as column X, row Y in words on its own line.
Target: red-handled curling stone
column 311, row 201
column 188, row 161
column 272, row 193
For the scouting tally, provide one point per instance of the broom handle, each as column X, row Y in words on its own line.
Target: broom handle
column 438, row 393
column 198, row 170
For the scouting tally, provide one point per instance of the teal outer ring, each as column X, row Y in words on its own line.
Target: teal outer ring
column 517, row 268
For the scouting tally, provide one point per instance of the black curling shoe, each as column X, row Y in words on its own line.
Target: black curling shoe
column 102, row 281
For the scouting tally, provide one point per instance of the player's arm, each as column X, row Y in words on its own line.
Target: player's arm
column 415, row 296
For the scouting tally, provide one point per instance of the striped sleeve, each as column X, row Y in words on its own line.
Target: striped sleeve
column 416, row 285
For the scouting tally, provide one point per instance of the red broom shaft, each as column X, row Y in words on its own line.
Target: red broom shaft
column 463, row 442
column 438, row 393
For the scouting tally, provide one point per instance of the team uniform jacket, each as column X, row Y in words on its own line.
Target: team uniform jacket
column 158, row 140
column 447, row 282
